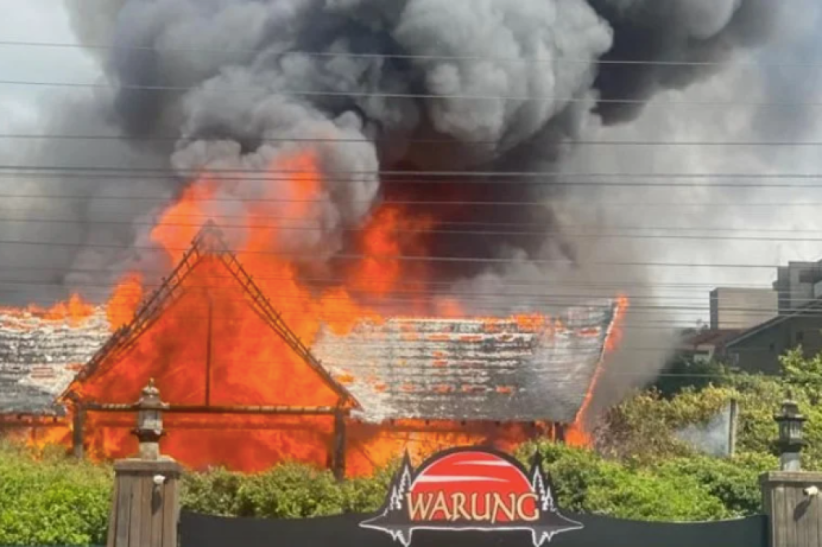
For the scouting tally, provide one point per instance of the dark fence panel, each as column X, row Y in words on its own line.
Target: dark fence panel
column 343, row 531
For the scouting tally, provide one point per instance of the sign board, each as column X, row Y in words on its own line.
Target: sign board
column 471, row 489
column 468, row 497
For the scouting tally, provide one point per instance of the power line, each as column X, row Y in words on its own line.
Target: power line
column 410, row 56
column 376, row 201
column 324, row 281
column 408, row 258
column 588, row 285
column 286, row 227
column 477, row 224
column 353, row 290
column 312, row 173
column 549, row 300
column 438, row 142
column 491, row 225
column 534, row 178
column 387, row 95
column 509, row 283
column 615, row 285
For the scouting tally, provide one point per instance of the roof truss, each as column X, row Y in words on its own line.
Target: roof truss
column 209, row 242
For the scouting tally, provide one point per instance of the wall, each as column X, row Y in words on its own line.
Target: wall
column 733, row 308
column 795, row 284
column 760, row 351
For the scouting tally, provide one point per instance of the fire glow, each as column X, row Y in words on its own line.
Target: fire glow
column 246, row 365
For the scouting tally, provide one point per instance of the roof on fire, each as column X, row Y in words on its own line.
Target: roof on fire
column 39, row 356
column 480, row 369
column 466, row 369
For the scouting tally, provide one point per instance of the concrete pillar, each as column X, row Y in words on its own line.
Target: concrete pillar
column 793, row 504
column 146, row 506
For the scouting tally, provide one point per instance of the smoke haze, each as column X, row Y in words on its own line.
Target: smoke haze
column 500, row 85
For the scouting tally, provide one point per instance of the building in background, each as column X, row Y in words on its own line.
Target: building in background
column 751, row 328
column 758, row 349
column 738, row 309
column 703, row 346
column 797, row 284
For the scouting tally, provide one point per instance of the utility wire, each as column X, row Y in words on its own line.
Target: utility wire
column 489, row 225
column 321, row 282
column 549, row 300
column 311, row 173
column 479, row 203
column 368, row 94
column 410, row 56
column 483, row 233
column 476, row 225
column 402, row 258
column 507, row 179
column 438, row 142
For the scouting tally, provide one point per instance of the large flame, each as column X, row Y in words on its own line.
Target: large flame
column 211, row 348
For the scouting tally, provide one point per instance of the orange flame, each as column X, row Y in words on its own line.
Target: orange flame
column 72, row 311
column 214, row 345
column 579, row 434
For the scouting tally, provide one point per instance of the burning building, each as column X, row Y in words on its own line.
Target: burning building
column 247, row 389
column 398, row 181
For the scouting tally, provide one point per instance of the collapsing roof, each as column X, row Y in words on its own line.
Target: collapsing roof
column 526, row 369
column 462, row 369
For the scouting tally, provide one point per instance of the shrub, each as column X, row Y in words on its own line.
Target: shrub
column 585, row 482
column 51, row 500
column 735, row 482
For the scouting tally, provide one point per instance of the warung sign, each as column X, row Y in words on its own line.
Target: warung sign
column 471, row 489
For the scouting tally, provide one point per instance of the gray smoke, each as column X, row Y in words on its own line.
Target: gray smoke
column 712, row 438
column 500, row 85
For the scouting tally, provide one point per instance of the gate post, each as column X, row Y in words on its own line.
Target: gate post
column 791, row 497
column 146, row 490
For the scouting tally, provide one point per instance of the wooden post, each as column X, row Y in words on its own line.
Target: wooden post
column 209, row 334
column 791, row 497
column 77, row 434
column 146, row 504
column 338, row 450
column 793, row 504
column 560, row 433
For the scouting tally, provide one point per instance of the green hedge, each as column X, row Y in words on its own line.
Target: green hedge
column 54, row 500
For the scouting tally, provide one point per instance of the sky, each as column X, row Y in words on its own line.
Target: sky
column 750, row 212
column 36, row 21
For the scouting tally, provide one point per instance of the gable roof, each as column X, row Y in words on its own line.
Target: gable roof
column 208, row 243
column 811, row 307
column 471, row 369
column 499, row 369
